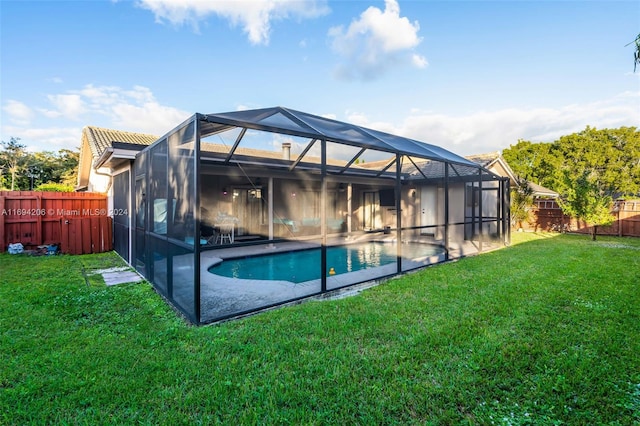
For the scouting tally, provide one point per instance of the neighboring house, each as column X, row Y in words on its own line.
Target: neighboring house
column 495, row 162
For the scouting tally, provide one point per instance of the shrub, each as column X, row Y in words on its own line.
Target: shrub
column 54, row 187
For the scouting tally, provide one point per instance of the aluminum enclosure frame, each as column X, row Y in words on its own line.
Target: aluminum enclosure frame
column 169, row 181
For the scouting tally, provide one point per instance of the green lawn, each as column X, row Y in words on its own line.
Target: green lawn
column 546, row 331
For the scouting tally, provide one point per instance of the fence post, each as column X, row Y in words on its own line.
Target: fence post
column 618, row 208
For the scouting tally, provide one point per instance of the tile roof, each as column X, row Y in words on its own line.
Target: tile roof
column 484, row 159
column 100, row 139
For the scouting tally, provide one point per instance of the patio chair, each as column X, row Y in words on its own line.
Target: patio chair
column 226, row 231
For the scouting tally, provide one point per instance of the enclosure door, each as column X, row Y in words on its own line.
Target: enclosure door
column 121, row 208
column 472, row 211
column 141, row 211
column 371, row 216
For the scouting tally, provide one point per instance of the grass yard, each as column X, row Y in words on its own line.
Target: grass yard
column 544, row 332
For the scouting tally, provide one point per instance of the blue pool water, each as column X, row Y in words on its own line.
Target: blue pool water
column 303, row 265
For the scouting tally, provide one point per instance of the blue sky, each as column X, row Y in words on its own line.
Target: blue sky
column 472, row 77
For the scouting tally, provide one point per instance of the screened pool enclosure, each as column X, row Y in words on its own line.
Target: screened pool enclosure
column 240, row 211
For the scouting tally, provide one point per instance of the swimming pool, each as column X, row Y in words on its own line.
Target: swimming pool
column 303, row 265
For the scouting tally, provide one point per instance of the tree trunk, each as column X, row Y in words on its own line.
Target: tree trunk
column 595, row 231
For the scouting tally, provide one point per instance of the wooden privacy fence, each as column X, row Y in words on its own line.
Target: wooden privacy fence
column 76, row 221
column 546, row 215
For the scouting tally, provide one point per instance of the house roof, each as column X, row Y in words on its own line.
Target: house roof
column 100, row 139
column 216, row 148
column 485, row 160
column 428, row 169
column 495, row 161
column 97, row 140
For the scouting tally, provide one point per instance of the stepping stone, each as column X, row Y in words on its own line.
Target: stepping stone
column 120, row 277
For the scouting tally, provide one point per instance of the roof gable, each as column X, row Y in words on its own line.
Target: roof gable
column 485, row 160
column 495, row 162
column 100, row 139
column 97, row 140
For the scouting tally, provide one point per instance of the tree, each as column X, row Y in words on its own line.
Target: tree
column 31, row 170
column 12, row 158
column 521, row 202
column 585, row 201
column 535, row 162
column 611, row 155
column 52, row 167
column 68, row 171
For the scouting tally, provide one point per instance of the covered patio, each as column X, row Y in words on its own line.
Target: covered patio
column 257, row 184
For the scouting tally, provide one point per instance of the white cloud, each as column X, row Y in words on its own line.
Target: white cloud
column 488, row 131
column 48, row 139
column 150, row 117
column 134, row 109
column 255, row 16
column 101, row 96
column 419, row 61
column 70, row 106
column 376, row 41
column 18, row 112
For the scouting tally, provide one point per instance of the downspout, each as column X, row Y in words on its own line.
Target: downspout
column 99, row 162
column 110, row 182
